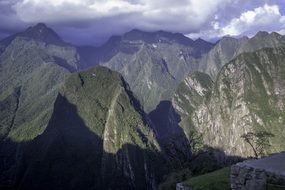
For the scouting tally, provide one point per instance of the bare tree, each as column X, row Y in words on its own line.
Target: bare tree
column 259, row 142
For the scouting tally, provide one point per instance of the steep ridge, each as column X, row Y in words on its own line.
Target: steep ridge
column 97, row 138
column 228, row 48
column 248, row 96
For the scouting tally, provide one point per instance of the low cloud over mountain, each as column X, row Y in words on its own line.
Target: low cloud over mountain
column 94, row 21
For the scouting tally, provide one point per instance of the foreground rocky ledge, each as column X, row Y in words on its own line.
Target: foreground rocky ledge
column 181, row 186
column 259, row 174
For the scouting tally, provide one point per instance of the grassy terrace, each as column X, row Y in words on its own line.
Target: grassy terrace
column 217, row 180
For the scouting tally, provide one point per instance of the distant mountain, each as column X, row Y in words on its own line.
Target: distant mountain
column 247, row 96
column 39, row 32
column 33, row 64
column 153, row 63
column 42, row 33
column 97, row 138
column 228, row 48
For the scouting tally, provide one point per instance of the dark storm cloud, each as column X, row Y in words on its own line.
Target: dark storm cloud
column 93, row 21
column 9, row 22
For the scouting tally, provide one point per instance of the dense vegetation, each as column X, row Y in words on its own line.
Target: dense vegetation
column 217, row 180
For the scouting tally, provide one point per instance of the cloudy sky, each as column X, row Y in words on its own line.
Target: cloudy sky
column 94, row 21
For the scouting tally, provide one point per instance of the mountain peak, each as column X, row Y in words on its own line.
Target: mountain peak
column 202, row 41
column 40, row 26
column 135, row 31
column 261, row 34
column 38, row 32
column 136, row 34
column 228, row 38
column 202, row 44
column 42, row 33
column 276, row 35
column 157, row 36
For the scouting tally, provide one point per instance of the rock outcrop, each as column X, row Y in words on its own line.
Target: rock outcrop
column 181, row 186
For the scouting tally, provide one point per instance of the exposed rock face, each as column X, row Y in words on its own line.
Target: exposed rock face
column 181, row 186
column 228, row 48
column 247, row 96
column 193, row 93
column 259, row 174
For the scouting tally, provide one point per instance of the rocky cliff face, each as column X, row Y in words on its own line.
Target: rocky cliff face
column 246, row 97
column 228, row 48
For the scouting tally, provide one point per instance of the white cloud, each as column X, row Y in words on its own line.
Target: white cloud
column 96, row 20
column 184, row 15
column 69, row 10
column 265, row 17
column 261, row 18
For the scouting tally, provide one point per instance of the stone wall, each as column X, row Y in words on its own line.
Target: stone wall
column 244, row 177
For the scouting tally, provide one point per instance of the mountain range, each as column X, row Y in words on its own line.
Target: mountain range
column 122, row 115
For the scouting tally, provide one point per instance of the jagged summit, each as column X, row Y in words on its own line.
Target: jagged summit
column 200, row 40
column 39, row 25
column 201, row 43
column 39, row 32
column 275, row 34
column 226, row 39
column 157, row 36
column 261, row 34
column 43, row 33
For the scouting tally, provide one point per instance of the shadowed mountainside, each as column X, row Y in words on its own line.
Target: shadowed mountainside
column 94, row 139
column 68, row 155
column 170, row 135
